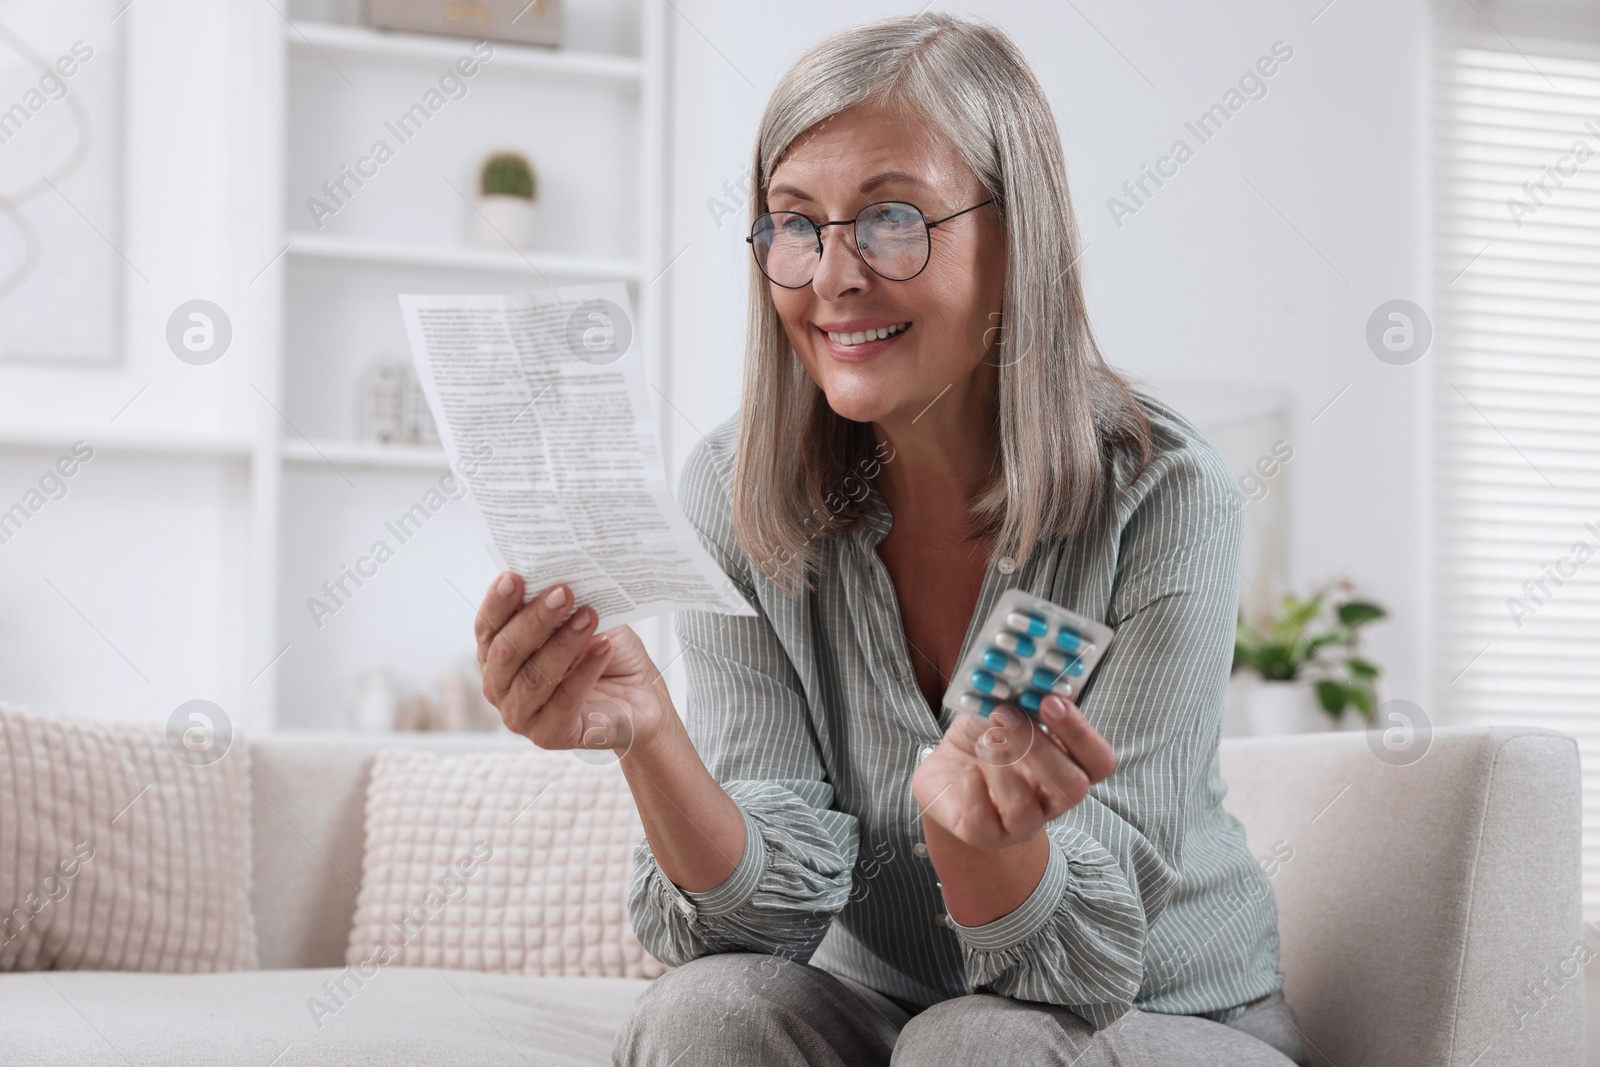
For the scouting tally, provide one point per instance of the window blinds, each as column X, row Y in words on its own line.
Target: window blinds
column 1517, row 395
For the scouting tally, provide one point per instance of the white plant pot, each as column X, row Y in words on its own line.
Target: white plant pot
column 1273, row 707
column 1352, row 719
column 500, row 220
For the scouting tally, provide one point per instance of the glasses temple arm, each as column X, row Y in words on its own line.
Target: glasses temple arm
column 963, row 211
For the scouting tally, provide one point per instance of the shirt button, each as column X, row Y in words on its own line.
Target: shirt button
column 927, row 751
column 941, row 919
column 1006, row 565
column 687, row 908
column 919, row 849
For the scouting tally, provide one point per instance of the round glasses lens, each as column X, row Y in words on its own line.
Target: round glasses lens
column 893, row 239
column 785, row 244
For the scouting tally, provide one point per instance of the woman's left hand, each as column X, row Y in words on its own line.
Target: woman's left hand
column 993, row 783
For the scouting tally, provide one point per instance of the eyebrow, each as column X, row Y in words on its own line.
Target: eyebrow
column 880, row 179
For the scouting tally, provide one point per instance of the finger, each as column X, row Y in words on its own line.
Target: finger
column 551, row 725
column 500, row 602
column 520, row 637
column 1004, row 738
column 1037, row 750
column 965, row 730
column 962, row 805
column 1081, row 740
column 544, row 670
column 1059, row 781
column 1016, row 803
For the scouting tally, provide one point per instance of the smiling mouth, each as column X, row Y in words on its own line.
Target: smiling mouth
column 861, row 337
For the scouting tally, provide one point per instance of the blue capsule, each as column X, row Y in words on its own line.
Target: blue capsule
column 1030, row 700
column 1022, row 646
column 1002, row 664
column 984, row 682
column 1026, row 624
column 1071, row 641
column 978, row 705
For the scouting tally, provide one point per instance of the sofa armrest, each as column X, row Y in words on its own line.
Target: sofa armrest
column 1430, row 913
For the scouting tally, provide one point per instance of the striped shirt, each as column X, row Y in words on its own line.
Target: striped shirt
column 810, row 718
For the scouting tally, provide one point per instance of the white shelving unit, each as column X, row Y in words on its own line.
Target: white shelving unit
column 591, row 118
column 330, row 39
column 554, row 264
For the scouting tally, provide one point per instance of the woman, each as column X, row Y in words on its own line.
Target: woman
column 841, row 870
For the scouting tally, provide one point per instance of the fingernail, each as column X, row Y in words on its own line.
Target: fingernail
column 506, row 584
column 556, row 597
column 585, row 620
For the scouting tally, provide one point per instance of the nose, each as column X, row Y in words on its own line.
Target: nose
column 841, row 269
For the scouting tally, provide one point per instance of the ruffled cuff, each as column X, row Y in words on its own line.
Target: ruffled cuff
column 1011, row 930
column 1077, row 941
column 735, row 890
column 781, row 897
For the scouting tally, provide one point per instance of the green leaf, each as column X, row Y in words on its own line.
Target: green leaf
column 1362, row 668
column 1336, row 636
column 1360, row 612
column 1332, row 696
column 1363, row 698
column 1297, row 613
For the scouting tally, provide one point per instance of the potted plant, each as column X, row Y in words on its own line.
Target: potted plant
column 1306, row 663
column 508, row 188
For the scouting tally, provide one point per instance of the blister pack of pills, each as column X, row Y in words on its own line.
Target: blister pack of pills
column 1027, row 649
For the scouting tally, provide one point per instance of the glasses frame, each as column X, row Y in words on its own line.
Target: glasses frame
column 817, row 228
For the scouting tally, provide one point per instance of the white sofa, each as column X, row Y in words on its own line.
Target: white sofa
column 1425, row 911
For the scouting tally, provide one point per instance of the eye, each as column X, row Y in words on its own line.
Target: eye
column 895, row 216
column 795, row 226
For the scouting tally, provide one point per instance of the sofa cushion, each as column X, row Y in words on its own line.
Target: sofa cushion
column 399, row 1016
column 510, row 863
column 123, row 849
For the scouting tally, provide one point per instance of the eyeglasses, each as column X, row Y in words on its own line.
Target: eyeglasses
column 891, row 237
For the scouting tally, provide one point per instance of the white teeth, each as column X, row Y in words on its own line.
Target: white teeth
column 863, row 336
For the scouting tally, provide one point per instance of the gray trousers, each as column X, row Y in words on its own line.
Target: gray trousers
column 736, row 1009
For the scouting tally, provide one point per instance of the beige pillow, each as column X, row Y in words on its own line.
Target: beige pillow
column 511, row 863
column 118, row 855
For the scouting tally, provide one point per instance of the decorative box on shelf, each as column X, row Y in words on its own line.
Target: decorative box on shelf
column 519, row 21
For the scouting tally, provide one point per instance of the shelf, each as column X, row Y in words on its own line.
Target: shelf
column 111, row 438
column 330, row 40
column 298, row 451
column 493, row 260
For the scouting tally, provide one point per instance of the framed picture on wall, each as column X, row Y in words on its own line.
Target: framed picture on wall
column 62, row 256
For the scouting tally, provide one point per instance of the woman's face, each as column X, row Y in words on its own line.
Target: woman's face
column 946, row 315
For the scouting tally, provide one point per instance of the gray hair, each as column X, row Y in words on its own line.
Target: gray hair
column 800, row 470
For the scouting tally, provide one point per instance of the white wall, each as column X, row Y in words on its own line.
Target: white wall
column 1206, row 282
column 1211, row 280
column 121, row 600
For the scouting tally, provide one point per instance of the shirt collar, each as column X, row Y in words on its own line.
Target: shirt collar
column 876, row 519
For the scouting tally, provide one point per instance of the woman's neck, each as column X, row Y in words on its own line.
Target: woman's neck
column 941, row 462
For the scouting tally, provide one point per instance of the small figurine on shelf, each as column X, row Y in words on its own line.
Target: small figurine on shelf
column 394, row 409
column 383, row 402
column 457, row 708
column 508, row 189
column 417, row 714
column 418, row 426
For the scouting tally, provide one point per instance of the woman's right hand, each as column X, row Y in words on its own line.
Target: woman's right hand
column 558, row 683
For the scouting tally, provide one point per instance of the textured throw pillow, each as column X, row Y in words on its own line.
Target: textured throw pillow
column 117, row 853
column 511, row 863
